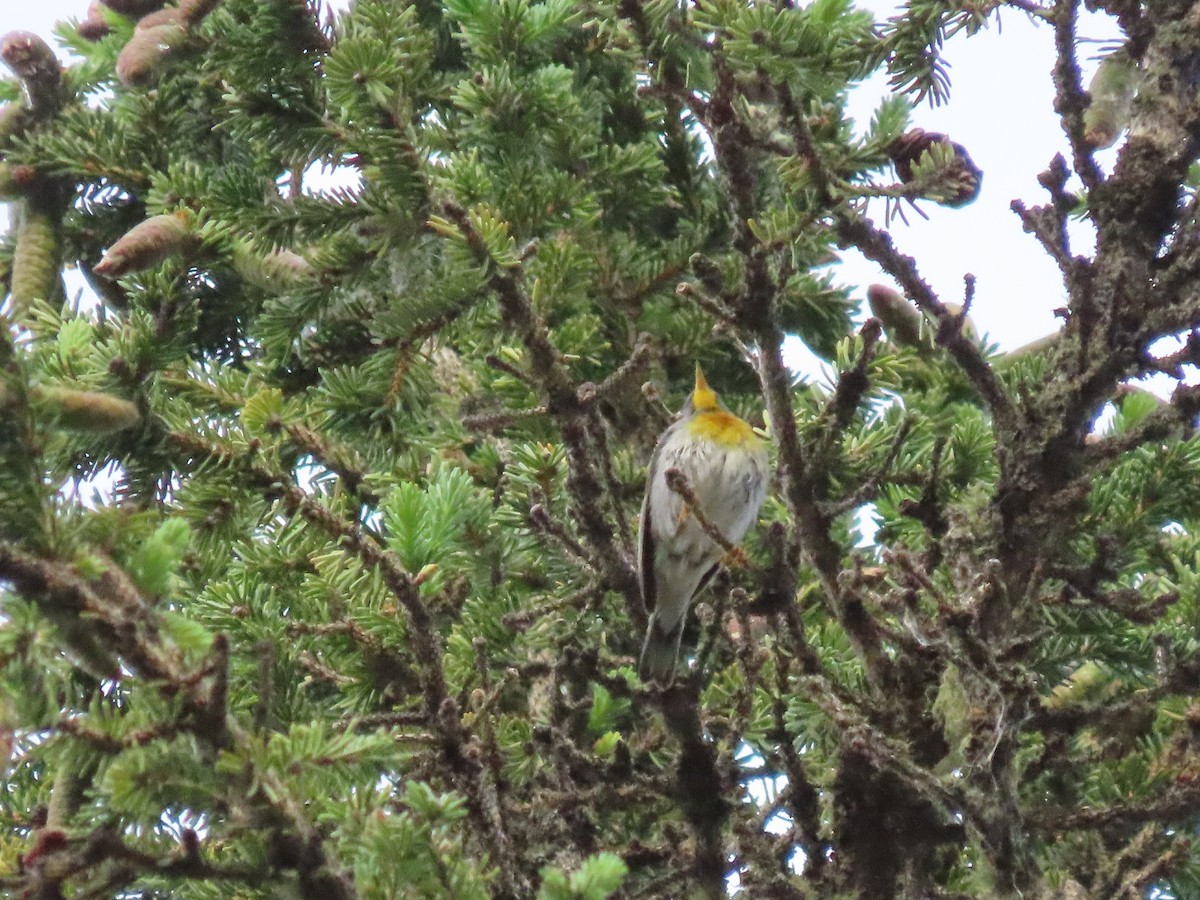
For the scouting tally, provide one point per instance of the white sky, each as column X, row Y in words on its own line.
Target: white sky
column 1000, row 109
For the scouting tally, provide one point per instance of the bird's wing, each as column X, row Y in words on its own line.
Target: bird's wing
column 658, row 502
column 646, row 555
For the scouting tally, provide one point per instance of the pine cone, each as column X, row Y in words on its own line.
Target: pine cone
column 965, row 179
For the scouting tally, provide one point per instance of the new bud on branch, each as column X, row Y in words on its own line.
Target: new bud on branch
column 38, row 69
column 159, row 34
column 147, row 244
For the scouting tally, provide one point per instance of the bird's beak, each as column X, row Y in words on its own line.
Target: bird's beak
column 703, row 397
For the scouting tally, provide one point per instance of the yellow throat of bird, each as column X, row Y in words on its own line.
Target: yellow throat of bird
column 710, row 420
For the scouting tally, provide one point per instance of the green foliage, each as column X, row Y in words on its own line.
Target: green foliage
column 434, row 524
column 607, row 711
column 598, row 877
column 156, row 561
column 914, row 39
column 415, row 851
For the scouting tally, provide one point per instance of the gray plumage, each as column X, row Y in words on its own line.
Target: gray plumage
column 676, row 558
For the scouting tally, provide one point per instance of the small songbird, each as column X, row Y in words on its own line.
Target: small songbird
column 727, row 468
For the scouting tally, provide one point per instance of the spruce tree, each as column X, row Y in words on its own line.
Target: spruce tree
column 318, row 510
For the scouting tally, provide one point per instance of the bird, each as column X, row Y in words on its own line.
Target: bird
column 727, row 468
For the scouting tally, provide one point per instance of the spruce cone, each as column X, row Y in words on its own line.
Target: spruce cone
column 964, row 180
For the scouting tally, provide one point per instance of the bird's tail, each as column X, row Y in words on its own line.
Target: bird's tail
column 660, row 653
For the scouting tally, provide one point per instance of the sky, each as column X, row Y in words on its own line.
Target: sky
column 1000, row 109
